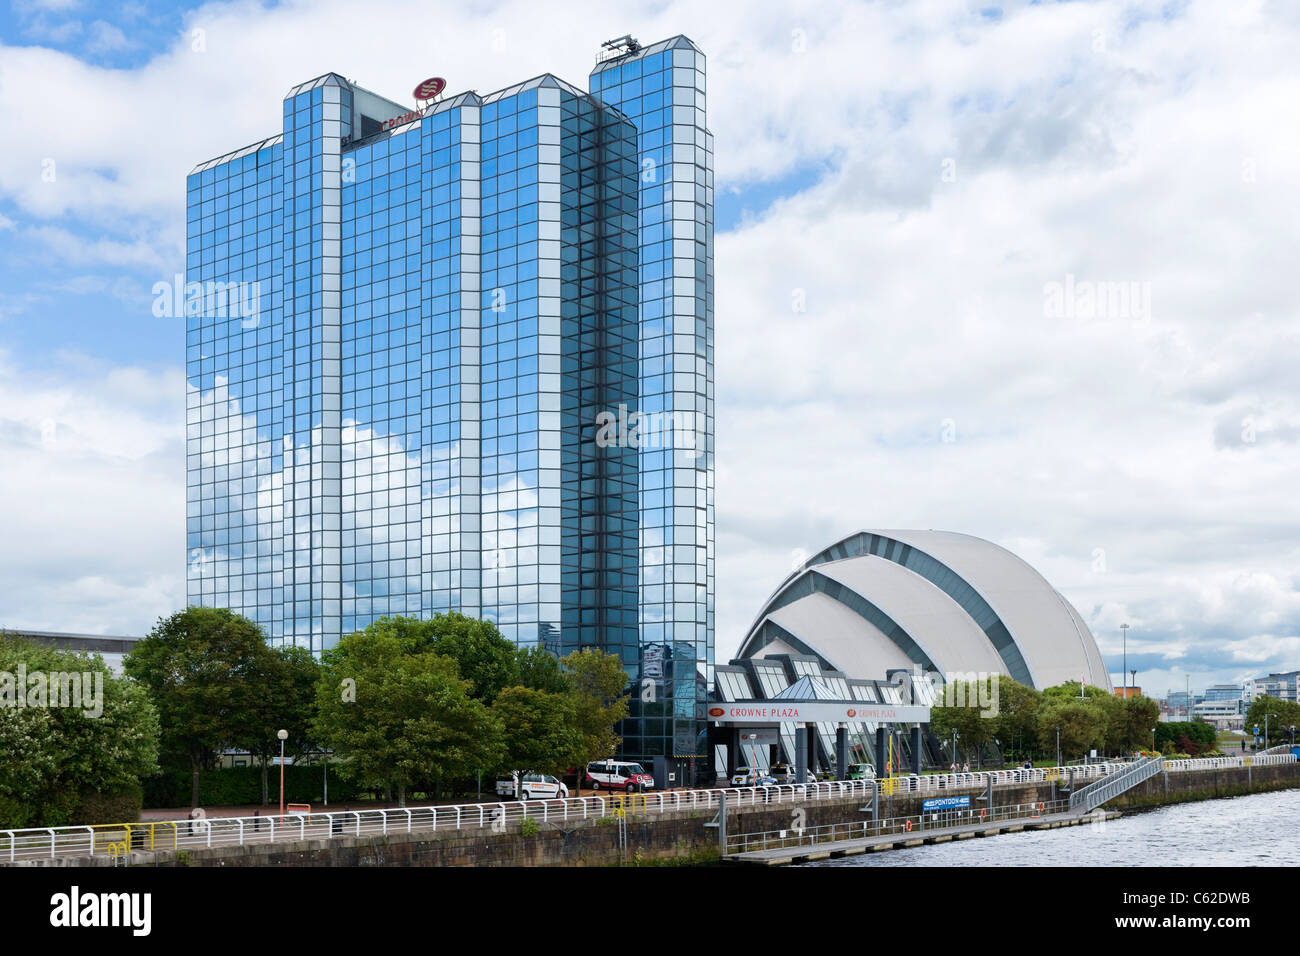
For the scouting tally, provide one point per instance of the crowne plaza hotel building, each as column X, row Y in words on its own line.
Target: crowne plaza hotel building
column 447, row 299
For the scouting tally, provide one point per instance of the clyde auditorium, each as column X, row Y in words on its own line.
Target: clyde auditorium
column 845, row 622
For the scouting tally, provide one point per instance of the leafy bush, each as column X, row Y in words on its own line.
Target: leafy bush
column 241, row 786
column 83, row 737
column 121, row 807
column 1190, row 736
column 529, row 827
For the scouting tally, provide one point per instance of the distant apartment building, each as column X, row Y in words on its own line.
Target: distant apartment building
column 1224, row 714
column 1220, row 693
column 111, row 647
column 1282, row 686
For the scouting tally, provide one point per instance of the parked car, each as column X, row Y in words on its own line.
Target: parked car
column 750, row 778
column 862, row 771
column 534, row 786
column 618, row 775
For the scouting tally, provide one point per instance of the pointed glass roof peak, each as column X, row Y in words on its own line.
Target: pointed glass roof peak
column 327, row 79
column 807, row 688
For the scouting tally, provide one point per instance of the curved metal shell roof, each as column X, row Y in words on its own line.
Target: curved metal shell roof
column 838, row 635
column 877, row 600
column 933, row 620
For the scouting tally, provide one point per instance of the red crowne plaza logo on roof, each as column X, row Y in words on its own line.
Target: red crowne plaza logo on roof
column 430, row 88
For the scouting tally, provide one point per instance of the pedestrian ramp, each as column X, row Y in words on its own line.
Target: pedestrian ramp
column 1112, row 785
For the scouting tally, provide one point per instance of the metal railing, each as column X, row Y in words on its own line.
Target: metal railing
column 1224, row 763
column 53, row 842
column 916, row 826
column 1109, row 787
column 80, row 841
column 204, row 832
column 1001, row 778
column 1095, row 794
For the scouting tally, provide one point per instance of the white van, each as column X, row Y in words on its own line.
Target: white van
column 618, row 775
column 535, row 786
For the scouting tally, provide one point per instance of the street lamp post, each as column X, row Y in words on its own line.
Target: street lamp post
column 1153, row 738
column 1058, row 746
column 283, row 735
column 1123, row 629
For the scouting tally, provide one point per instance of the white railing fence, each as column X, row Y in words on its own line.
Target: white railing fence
column 118, row 839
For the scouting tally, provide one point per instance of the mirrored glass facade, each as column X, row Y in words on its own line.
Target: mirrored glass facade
column 403, row 329
column 661, row 88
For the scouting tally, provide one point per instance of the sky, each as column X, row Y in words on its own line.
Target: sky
column 1023, row 271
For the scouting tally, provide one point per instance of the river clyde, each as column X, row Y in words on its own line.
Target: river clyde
column 1254, row 830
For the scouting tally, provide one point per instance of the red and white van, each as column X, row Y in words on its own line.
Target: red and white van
column 618, row 775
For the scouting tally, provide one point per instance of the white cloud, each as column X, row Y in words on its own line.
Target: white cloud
column 925, row 309
column 94, row 492
column 106, row 38
column 968, row 165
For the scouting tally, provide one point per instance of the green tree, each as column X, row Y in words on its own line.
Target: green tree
column 1114, row 714
column 1017, row 720
column 1287, row 715
column 1186, row 736
column 288, row 676
column 400, row 716
column 540, row 670
column 538, row 729
column 484, row 657
column 598, row 687
column 1139, row 716
column 1082, row 726
column 201, row 667
column 973, row 730
column 1070, row 691
column 60, row 749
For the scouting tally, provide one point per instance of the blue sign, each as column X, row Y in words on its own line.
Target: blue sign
column 946, row 803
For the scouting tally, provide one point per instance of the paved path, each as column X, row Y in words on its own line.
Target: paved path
column 892, row 841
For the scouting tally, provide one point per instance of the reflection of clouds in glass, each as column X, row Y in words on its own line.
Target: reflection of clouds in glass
column 379, row 476
column 383, row 483
column 508, row 493
column 231, row 441
column 381, row 523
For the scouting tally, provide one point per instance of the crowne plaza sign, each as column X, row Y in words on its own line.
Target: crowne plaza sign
column 775, row 711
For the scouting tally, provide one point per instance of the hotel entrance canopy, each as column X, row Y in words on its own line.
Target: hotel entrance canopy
column 752, row 712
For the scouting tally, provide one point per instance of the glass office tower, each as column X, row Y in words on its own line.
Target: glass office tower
column 661, row 89
column 403, row 329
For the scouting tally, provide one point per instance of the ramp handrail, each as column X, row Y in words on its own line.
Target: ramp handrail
column 1111, row 786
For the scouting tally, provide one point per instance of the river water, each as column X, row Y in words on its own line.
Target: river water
column 1255, row 830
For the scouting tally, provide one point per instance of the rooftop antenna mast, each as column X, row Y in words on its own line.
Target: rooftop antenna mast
column 622, row 46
